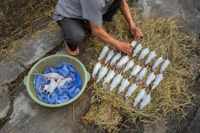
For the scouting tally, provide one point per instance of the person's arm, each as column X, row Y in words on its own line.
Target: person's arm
column 136, row 32
column 100, row 33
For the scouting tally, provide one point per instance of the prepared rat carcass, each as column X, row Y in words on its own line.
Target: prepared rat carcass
column 157, row 81
column 157, row 63
column 50, row 76
column 165, row 64
column 130, row 91
column 46, row 87
column 145, row 101
column 134, row 72
column 122, row 62
column 133, row 43
column 125, row 83
column 144, row 52
column 109, row 56
column 137, row 48
column 63, row 81
column 52, row 86
column 151, row 56
column 97, row 66
column 141, row 74
column 103, row 52
column 102, row 73
column 109, row 77
column 139, row 97
column 149, row 79
column 117, row 79
column 129, row 65
column 115, row 58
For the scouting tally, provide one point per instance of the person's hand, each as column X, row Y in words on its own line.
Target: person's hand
column 137, row 33
column 124, row 47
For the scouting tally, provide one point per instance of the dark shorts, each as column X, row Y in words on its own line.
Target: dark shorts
column 74, row 29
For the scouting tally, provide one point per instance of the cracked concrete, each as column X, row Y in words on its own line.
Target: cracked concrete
column 52, row 39
column 21, row 111
column 30, row 51
column 195, row 124
column 28, row 116
column 5, row 101
column 9, row 72
column 27, row 53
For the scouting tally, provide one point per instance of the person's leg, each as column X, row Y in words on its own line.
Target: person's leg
column 74, row 33
column 112, row 10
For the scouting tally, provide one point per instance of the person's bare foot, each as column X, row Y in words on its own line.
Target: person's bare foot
column 75, row 52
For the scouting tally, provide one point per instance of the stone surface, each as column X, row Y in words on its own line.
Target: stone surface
column 63, row 51
column 183, row 10
column 5, row 101
column 197, row 4
column 22, row 111
column 28, row 116
column 196, row 67
column 156, row 128
column 195, row 124
column 9, row 71
column 29, row 52
column 196, row 90
column 176, row 125
column 180, row 124
column 49, row 41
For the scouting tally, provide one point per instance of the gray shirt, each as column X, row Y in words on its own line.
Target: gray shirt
column 91, row 10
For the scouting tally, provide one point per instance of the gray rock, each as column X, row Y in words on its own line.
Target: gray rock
column 49, row 42
column 195, row 125
column 157, row 127
column 198, row 80
column 9, row 71
column 28, row 116
column 30, row 52
column 22, row 111
column 195, row 67
column 197, row 4
column 63, row 51
column 196, row 92
column 183, row 10
column 5, row 101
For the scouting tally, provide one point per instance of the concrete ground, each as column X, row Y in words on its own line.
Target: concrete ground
column 21, row 115
column 27, row 116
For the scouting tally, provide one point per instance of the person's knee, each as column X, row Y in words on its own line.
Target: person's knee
column 75, row 39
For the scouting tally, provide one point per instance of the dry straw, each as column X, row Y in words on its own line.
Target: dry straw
column 21, row 19
column 170, row 97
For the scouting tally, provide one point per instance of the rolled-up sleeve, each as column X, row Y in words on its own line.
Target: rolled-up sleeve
column 92, row 11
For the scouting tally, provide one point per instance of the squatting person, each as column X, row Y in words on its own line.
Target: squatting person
column 73, row 16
